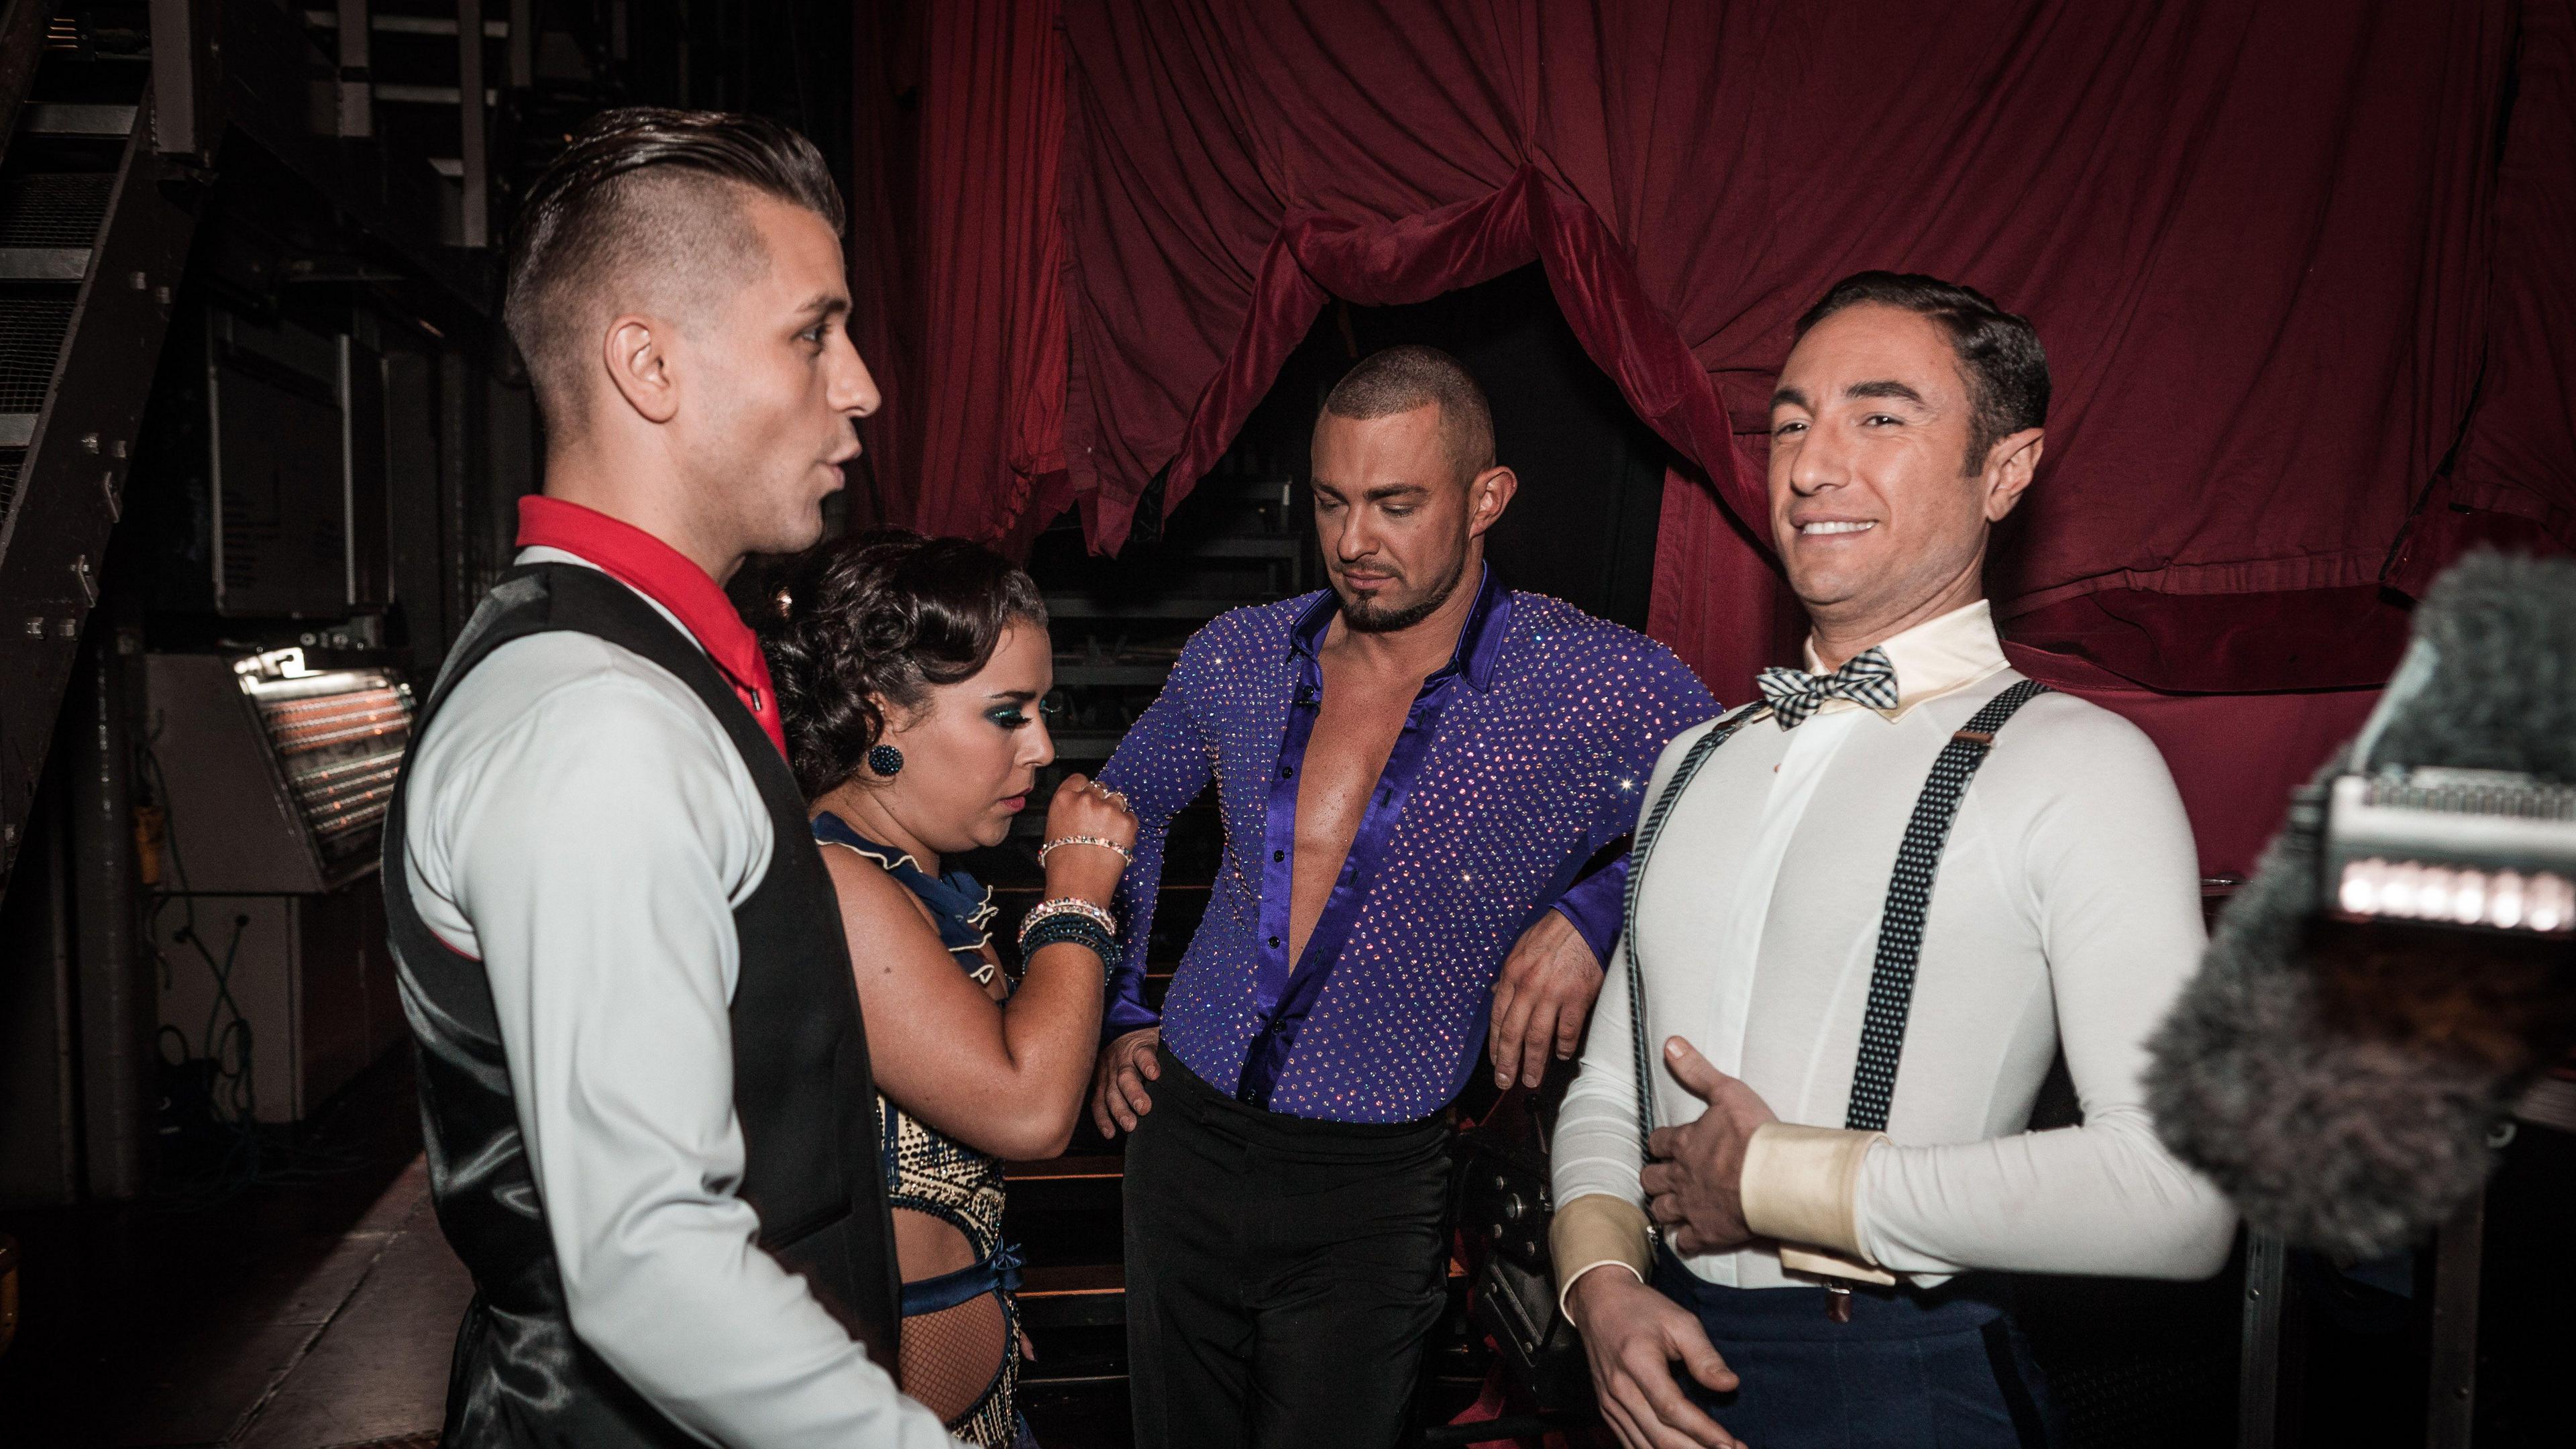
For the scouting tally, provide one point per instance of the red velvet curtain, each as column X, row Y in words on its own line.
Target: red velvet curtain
column 2312, row 326
column 957, row 254
column 2515, row 479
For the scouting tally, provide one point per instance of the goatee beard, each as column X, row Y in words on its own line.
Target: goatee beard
column 1369, row 619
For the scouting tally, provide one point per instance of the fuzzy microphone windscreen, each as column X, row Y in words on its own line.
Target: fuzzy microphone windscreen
column 2339, row 1082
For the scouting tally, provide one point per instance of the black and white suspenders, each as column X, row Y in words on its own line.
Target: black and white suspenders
column 1900, row 929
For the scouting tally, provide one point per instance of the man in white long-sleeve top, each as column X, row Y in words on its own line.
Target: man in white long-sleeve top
column 1879, row 902
column 651, row 1128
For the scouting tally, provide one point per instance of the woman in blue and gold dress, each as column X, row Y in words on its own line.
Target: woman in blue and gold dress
column 910, row 673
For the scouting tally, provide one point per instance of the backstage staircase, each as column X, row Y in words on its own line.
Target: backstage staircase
column 409, row 112
column 94, row 228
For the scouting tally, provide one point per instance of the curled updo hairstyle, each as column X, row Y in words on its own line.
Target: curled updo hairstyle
column 876, row 622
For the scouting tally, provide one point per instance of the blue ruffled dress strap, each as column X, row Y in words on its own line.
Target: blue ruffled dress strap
column 961, row 905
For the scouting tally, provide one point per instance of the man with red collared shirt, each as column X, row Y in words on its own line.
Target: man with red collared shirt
column 644, row 1082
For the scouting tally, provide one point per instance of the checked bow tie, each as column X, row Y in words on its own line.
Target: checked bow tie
column 1866, row 679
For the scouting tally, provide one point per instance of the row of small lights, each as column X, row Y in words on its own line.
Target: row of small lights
column 2542, row 901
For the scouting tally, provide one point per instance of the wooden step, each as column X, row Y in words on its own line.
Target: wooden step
column 1080, row 676
column 1038, row 888
column 1084, row 748
column 1094, row 1295
column 1062, row 607
column 1255, row 546
column 1085, row 1295
column 1085, row 1184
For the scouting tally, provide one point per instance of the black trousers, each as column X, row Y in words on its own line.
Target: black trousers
column 1283, row 1274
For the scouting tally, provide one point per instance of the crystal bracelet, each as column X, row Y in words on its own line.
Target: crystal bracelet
column 1047, row 849
column 1062, row 906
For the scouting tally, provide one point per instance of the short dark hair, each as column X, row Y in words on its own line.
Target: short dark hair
column 643, row 187
column 885, row 616
column 1999, row 352
column 1400, row 379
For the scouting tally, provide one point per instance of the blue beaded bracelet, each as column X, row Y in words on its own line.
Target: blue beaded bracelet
column 1065, row 928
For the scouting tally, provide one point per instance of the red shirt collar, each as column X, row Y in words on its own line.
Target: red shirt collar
column 666, row 576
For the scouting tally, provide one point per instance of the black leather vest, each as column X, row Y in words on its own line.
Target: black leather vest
column 801, row 1085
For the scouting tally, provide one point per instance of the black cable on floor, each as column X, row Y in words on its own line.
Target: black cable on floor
column 212, row 1090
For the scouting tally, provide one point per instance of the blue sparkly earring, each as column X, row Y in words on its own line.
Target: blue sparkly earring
column 886, row 760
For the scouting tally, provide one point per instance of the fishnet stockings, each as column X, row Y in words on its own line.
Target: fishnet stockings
column 952, row 1356
column 959, row 1361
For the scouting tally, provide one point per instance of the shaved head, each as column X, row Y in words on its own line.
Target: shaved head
column 1401, row 379
column 646, row 212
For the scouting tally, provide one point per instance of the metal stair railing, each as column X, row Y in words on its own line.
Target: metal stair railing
column 77, row 356
column 89, row 263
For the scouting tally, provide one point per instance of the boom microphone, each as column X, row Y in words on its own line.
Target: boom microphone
column 2404, row 960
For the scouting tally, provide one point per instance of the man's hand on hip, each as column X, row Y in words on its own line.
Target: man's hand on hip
column 1695, row 1185
column 1545, row 991
column 1633, row 1335
column 1118, row 1095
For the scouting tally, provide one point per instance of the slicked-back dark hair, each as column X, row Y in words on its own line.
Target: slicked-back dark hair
column 879, row 621
column 643, row 188
column 1999, row 352
column 1400, row 379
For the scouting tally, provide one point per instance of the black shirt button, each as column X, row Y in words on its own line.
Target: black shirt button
column 1274, row 943
column 1278, row 855
column 1286, row 770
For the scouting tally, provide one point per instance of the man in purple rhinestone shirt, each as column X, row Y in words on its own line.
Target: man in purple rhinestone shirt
column 1412, row 769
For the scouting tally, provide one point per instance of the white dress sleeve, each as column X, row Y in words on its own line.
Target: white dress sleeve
column 596, row 830
column 2112, row 878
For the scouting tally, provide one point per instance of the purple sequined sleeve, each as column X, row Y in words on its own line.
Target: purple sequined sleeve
column 1161, row 766
column 1669, row 699
column 1595, row 905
